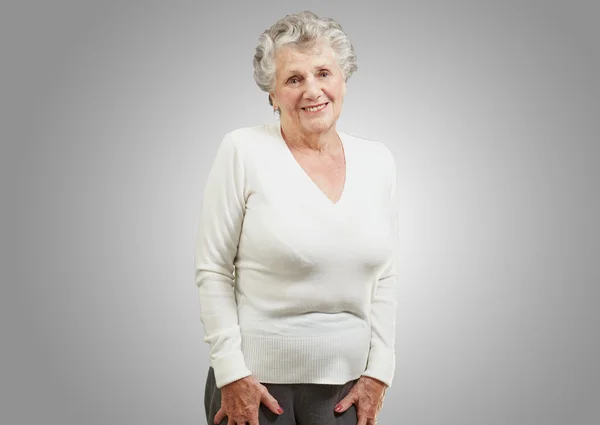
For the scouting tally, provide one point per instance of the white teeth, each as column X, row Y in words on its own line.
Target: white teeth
column 317, row 108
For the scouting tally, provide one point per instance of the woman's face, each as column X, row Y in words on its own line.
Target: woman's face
column 308, row 79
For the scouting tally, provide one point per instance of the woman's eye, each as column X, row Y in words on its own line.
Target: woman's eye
column 325, row 73
column 293, row 80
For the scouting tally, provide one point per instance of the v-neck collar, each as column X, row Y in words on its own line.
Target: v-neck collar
column 277, row 133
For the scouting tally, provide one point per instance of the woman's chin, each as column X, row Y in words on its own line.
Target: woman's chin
column 318, row 126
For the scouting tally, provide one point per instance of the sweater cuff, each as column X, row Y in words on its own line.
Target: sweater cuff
column 230, row 368
column 381, row 365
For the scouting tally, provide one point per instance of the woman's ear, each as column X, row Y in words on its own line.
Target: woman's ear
column 273, row 101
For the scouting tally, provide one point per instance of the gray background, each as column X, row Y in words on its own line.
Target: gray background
column 111, row 116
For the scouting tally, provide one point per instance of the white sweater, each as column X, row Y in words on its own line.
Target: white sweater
column 292, row 287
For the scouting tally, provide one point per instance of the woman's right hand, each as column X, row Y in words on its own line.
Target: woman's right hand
column 240, row 402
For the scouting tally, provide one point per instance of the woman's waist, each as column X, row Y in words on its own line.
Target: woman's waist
column 302, row 323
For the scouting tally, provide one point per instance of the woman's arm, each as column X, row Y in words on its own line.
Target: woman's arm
column 220, row 224
column 382, row 358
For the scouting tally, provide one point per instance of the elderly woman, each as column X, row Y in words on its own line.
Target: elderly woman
column 296, row 249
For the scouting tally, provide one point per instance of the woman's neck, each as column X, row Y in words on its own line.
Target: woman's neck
column 325, row 142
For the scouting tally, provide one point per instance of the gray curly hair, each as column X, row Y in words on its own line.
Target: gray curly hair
column 301, row 30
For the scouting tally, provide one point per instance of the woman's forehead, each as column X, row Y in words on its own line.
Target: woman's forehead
column 290, row 59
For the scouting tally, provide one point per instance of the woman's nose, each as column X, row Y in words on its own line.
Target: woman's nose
column 313, row 89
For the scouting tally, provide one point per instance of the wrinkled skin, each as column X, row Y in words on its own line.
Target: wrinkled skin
column 241, row 399
column 367, row 395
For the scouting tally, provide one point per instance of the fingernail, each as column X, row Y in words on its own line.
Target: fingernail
column 338, row 408
column 279, row 410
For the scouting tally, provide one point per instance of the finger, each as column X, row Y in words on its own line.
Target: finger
column 268, row 400
column 365, row 418
column 362, row 419
column 345, row 404
column 219, row 416
column 253, row 419
column 230, row 421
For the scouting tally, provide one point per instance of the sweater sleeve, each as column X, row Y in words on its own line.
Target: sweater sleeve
column 221, row 215
column 382, row 357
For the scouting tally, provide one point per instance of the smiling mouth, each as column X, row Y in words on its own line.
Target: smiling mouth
column 316, row 108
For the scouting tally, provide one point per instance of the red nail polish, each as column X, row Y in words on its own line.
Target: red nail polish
column 338, row 408
column 280, row 410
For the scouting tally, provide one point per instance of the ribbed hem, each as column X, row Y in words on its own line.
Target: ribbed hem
column 331, row 359
column 229, row 368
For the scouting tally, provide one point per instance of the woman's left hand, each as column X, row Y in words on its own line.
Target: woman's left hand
column 367, row 395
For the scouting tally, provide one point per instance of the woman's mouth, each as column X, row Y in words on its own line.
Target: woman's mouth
column 317, row 108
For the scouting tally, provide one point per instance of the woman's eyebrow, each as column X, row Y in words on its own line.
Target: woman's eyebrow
column 297, row 71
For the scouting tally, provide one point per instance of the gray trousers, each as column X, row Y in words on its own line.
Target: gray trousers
column 302, row 404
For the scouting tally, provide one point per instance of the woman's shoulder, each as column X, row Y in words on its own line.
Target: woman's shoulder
column 368, row 148
column 251, row 133
column 258, row 138
column 251, row 144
